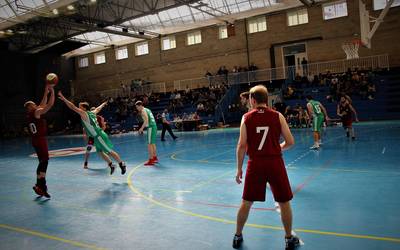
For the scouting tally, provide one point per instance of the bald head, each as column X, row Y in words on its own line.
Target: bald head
column 259, row 94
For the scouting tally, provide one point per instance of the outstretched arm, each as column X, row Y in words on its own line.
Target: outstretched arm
column 46, row 107
column 99, row 108
column 70, row 104
column 46, row 93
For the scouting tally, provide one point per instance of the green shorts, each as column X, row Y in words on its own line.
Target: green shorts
column 317, row 123
column 102, row 143
column 151, row 134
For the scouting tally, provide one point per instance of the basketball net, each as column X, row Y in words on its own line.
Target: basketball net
column 351, row 49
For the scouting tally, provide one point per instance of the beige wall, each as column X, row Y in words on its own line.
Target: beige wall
column 192, row 61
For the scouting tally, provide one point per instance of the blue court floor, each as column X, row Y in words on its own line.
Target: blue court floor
column 346, row 195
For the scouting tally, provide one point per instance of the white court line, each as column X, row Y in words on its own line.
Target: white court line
column 384, row 149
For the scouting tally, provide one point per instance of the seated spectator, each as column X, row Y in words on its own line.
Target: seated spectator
column 371, row 91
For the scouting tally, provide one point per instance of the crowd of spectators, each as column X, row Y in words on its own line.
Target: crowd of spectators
column 351, row 83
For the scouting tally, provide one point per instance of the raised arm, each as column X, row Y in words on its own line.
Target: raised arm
column 46, row 107
column 286, row 134
column 71, row 105
column 99, row 108
column 241, row 151
column 309, row 109
column 44, row 98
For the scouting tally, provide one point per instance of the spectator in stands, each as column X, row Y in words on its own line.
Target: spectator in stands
column 304, row 64
column 371, row 91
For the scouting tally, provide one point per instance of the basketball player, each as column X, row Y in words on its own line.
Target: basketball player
column 150, row 123
column 260, row 132
column 92, row 129
column 90, row 140
column 38, row 129
column 318, row 113
column 345, row 111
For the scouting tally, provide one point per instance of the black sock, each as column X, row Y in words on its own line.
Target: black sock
column 121, row 164
column 110, row 164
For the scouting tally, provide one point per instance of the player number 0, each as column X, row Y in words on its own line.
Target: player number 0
column 265, row 129
column 32, row 127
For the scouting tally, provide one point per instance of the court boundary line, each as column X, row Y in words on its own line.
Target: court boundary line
column 227, row 221
column 49, row 237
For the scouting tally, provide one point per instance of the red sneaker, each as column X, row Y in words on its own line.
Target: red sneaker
column 38, row 190
column 150, row 162
column 155, row 159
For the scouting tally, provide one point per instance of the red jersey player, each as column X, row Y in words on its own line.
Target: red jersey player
column 260, row 132
column 38, row 129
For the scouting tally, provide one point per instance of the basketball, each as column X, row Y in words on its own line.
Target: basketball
column 52, row 79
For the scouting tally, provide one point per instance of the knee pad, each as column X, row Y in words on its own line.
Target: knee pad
column 42, row 168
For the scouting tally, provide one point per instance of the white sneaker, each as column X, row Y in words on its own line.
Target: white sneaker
column 314, row 147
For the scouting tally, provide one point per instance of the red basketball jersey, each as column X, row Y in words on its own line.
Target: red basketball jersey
column 263, row 133
column 37, row 127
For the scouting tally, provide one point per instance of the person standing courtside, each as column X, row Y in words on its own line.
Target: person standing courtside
column 260, row 132
column 38, row 129
column 166, row 125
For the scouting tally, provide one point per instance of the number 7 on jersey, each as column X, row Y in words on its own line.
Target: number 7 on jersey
column 264, row 136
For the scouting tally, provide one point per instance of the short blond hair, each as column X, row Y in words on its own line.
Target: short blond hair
column 259, row 93
column 26, row 104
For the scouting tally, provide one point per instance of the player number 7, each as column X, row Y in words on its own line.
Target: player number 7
column 265, row 129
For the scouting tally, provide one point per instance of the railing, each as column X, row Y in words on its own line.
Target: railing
column 280, row 73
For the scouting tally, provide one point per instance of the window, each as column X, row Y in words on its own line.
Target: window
column 257, row 24
column 223, row 32
column 100, row 58
column 142, row 48
column 380, row 4
column 121, row 53
column 297, row 17
column 194, row 38
column 334, row 10
column 83, row 62
column 168, row 43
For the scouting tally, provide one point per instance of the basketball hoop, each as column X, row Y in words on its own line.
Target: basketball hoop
column 351, row 48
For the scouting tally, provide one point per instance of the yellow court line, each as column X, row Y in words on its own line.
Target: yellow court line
column 50, row 237
column 217, row 219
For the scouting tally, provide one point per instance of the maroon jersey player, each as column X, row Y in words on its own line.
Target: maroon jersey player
column 260, row 132
column 37, row 127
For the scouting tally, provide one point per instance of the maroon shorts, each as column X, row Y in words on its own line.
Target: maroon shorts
column 40, row 146
column 90, row 141
column 263, row 170
column 347, row 122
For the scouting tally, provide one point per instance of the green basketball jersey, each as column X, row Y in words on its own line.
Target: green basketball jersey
column 316, row 108
column 152, row 121
column 92, row 128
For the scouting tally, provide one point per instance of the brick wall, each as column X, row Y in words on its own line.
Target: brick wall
column 192, row 61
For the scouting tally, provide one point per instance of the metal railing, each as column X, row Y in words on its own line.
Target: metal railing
column 279, row 73
column 282, row 73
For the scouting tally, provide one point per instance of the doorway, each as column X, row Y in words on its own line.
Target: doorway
column 293, row 56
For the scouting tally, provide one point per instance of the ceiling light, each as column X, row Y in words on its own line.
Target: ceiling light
column 70, row 7
column 92, row 1
column 10, row 31
column 2, row 32
column 55, row 12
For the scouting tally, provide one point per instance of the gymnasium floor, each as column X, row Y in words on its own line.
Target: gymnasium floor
column 346, row 195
